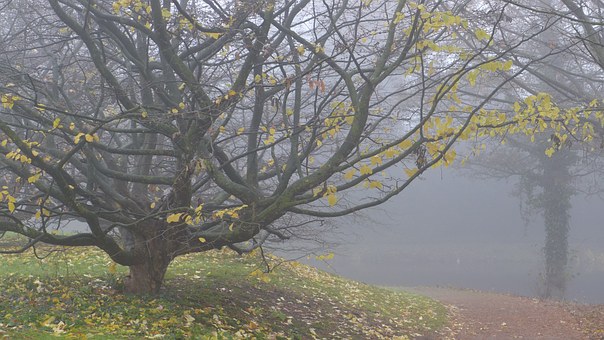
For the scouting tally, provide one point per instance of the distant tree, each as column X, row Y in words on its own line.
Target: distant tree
column 169, row 127
column 551, row 167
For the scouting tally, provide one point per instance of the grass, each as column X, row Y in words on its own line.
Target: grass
column 70, row 293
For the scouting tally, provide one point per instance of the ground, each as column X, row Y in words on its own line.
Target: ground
column 482, row 315
column 74, row 294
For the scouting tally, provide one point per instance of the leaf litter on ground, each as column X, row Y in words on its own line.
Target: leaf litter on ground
column 74, row 293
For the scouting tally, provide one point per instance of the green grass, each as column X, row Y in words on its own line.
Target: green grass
column 215, row 295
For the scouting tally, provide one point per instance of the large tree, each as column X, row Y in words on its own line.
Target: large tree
column 172, row 127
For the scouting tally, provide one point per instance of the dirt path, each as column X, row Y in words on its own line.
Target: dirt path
column 480, row 315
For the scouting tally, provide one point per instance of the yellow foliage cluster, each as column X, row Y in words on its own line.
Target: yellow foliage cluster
column 5, row 196
column 8, row 100
column 89, row 138
column 136, row 6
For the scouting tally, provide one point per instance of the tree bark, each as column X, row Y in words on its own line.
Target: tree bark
column 146, row 277
column 556, row 206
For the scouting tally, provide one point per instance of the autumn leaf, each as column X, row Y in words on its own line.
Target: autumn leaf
column 376, row 185
column 213, row 35
column 481, row 34
column 174, row 218
column 366, row 169
column 34, row 178
column 332, row 199
column 411, row 172
column 376, row 160
column 350, row 174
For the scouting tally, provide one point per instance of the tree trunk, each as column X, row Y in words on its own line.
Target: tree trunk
column 147, row 276
column 556, row 206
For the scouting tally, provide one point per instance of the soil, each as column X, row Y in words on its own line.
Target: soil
column 482, row 315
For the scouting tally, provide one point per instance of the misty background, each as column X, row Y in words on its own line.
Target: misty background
column 451, row 229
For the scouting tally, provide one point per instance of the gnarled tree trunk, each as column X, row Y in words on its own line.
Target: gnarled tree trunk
column 147, row 275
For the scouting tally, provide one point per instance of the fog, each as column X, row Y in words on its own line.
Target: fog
column 449, row 229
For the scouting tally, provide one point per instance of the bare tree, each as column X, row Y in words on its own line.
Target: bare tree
column 172, row 127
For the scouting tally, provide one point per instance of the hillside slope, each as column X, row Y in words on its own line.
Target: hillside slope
column 216, row 295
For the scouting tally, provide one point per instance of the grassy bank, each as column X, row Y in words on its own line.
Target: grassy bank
column 216, row 295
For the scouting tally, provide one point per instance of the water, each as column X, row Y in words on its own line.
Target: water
column 459, row 232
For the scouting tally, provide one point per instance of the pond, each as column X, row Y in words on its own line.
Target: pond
column 451, row 230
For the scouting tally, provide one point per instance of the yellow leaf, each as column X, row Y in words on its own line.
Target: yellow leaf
column 165, row 13
column 390, row 153
column 411, row 172
column 350, row 174
column 258, row 79
column 549, row 152
column 240, row 131
column 202, row 240
column 482, row 34
column 34, row 178
column 181, row 105
column 376, row 160
column 332, row 199
column 9, row 100
column 89, row 138
column 406, row 144
column 270, row 140
column 376, row 184
column 55, row 123
column 301, row 49
column 366, row 169
column 11, row 206
column 213, row 35
column 78, row 137
column 152, row 206
column 174, row 218
column 508, row 65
